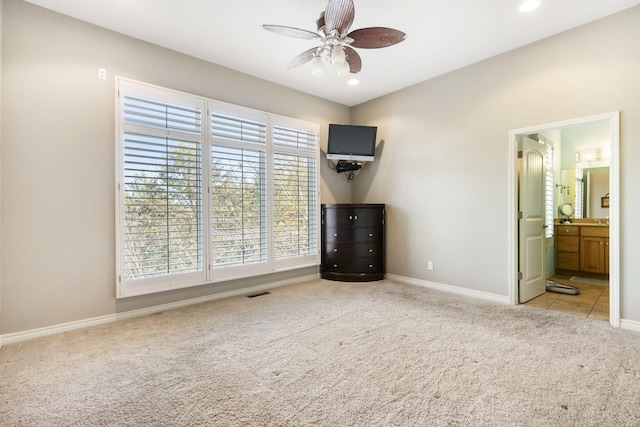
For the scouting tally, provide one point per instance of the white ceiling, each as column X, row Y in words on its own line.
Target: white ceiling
column 442, row 35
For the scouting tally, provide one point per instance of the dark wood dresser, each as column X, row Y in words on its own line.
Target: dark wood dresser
column 353, row 242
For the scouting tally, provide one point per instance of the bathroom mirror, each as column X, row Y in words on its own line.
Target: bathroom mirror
column 593, row 185
column 581, row 165
column 566, row 210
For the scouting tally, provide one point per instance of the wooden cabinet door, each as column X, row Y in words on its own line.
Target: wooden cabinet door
column 592, row 257
column 606, row 256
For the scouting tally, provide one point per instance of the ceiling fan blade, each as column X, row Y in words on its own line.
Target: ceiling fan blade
column 376, row 37
column 320, row 22
column 292, row 32
column 303, row 58
column 353, row 59
column 339, row 15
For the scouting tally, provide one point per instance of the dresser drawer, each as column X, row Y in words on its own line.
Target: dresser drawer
column 349, row 234
column 567, row 230
column 340, row 250
column 362, row 265
column 567, row 261
column 594, row 231
column 354, row 217
column 568, row 244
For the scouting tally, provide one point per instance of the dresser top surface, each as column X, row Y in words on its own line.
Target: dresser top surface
column 353, row 205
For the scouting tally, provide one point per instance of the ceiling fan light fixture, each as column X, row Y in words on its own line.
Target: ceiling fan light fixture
column 336, row 41
column 343, row 70
column 338, row 57
column 317, row 66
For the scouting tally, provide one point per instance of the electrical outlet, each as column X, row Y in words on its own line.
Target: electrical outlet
column 102, row 74
column 430, row 265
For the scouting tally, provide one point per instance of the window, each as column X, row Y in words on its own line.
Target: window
column 201, row 201
column 295, row 198
column 579, row 192
column 549, row 228
column 238, row 197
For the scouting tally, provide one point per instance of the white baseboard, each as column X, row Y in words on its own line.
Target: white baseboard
column 630, row 325
column 451, row 289
column 71, row 326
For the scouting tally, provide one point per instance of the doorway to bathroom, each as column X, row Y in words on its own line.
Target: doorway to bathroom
column 576, row 183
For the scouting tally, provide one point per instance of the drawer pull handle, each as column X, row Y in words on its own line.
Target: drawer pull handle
column 370, row 234
column 335, row 265
column 335, row 234
column 335, row 250
column 370, row 250
column 370, row 265
column 356, row 217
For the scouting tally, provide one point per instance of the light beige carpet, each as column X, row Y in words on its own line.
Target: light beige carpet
column 329, row 354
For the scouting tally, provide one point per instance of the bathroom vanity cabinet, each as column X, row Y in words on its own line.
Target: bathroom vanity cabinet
column 594, row 249
column 352, row 238
column 581, row 248
column 567, row 247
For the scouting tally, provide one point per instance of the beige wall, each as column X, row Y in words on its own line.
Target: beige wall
column 58, row 173
column 444, row 170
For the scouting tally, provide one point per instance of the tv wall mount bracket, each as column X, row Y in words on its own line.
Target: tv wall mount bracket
column 345, row 166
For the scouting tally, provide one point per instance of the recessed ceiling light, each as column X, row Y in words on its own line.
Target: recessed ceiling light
column 353, row 82
column 529, row 5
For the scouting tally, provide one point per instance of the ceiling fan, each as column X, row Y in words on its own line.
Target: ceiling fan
column 337, row 43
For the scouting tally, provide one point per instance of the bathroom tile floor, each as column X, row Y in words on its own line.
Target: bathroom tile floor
column 591, row 302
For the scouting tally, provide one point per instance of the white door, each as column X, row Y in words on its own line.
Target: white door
column 531, row 234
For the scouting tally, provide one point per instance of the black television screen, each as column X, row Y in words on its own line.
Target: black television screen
column 353, row 143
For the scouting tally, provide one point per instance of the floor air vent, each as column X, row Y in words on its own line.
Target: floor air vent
column 259, row 294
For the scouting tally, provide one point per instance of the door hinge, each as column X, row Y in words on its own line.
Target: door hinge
column 520, row 154
column 520, row 215
column 520, row 275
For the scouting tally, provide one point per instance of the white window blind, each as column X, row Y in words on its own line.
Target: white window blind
column 295, row 198
column 238, row 206
column 162, row 194
column 238, row 182
column 295, row 206
column 149, row 112
column 237, row 128
column 549, row 230
column 204, row 200
column 579, row 193
column 284, row 136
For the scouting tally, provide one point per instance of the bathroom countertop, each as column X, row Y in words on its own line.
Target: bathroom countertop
column 584, row 224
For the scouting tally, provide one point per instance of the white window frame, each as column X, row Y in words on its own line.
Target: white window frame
column 209, row 273
column 172, row 281
column 218, row 274
column 311, row 128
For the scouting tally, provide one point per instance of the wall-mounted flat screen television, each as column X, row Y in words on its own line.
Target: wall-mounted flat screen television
column 352, row 143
